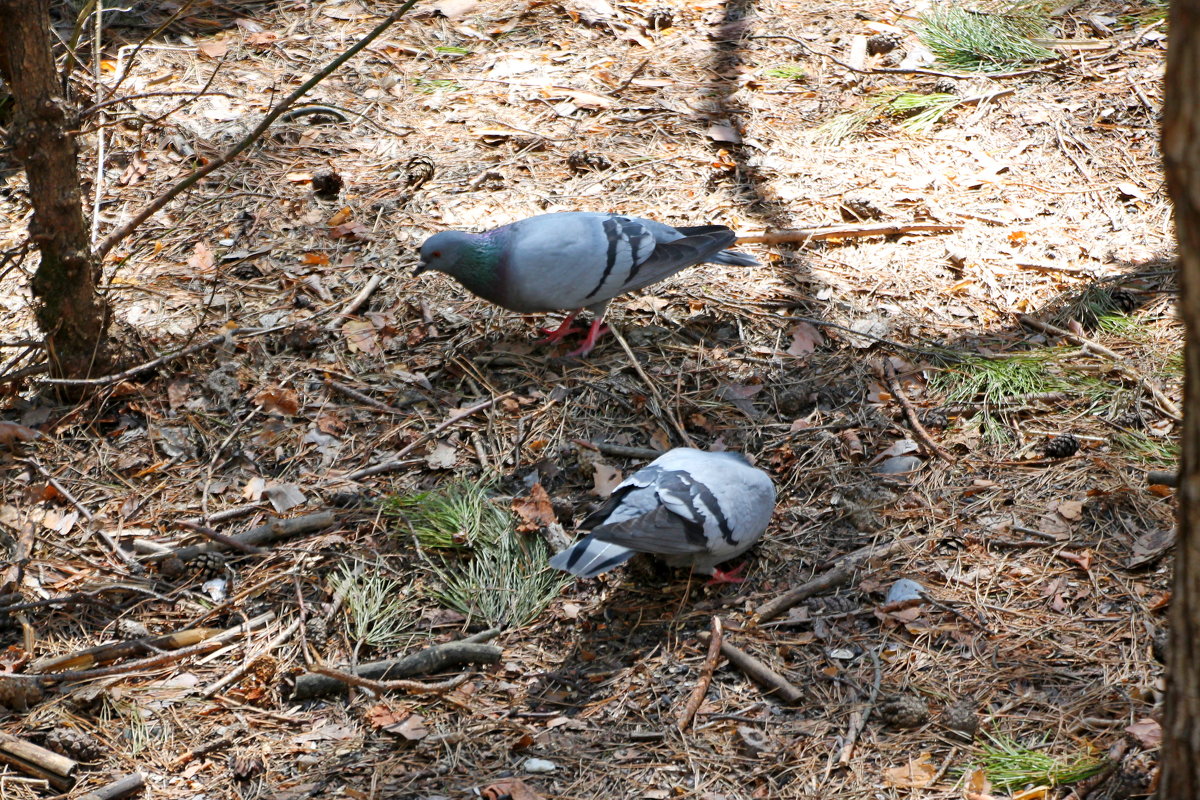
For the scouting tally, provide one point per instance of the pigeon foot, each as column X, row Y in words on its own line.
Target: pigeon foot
column 597, row 330
column 732, row 576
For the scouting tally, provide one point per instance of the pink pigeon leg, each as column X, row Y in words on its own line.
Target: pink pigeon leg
column 597, row 330
column 564, row 329
column 732, row 576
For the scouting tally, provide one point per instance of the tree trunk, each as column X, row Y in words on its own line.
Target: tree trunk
column 1180, row 758
column 73, row 317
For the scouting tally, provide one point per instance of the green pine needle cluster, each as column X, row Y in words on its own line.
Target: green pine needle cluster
column 918, row 114
column 1011, row 766
column 458, row 515
column 992, row 37
column 381, row 611
column 996, row 380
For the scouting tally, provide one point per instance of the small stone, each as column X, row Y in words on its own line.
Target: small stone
column 903, row 711
column 539, row 766
column 903, row 591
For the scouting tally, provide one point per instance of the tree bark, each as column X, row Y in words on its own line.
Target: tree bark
column 72, row 316
column 1180, row 755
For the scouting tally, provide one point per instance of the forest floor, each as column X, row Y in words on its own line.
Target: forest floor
column 1023, row 510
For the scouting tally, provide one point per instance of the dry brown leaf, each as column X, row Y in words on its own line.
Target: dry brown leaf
column 331, row 423
column 723, row 133
column 606, row 479
column 347, row 230
column 1033, row 793
column 805, row 339
column 509, row 789
column 278, row 400
column 11, row 433
column 412, row 727
column 202, row 259
column 1147, row 732
column 442, row 456
column 535, row 510
column 360, row 336
column 213, row 49
column 1082, row 560
column 1150, row 547
column 916, row 774
column 1070, row 509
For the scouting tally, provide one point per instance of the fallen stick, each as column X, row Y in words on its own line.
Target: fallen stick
column 432, row 659
column 761, row 674
column 121, row 787
column 267, row 532
column 1162, row 477
column 383, row 687
column 58, row 771
column 845, row 232
column 103, row 653
column 844, row 569
column 684, row 720
column 367, row 400
column 356, row 302
column 914, row 421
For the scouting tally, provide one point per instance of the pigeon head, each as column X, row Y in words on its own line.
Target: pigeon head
column 451, row 252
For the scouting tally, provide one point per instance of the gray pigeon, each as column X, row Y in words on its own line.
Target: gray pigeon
column 572, row 260
column 689, row 507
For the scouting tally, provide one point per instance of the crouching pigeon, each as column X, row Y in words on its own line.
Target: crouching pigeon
column 572, row 260
column 688, row 507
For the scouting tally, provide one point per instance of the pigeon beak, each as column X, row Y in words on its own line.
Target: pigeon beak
column 421, row 267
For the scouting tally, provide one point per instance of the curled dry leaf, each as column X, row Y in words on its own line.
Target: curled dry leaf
column 278, row 400
column 360, row 336
column 442, row 456
column 1147, row 732
column 11, row 433
column 805, row 339
column 535, row 510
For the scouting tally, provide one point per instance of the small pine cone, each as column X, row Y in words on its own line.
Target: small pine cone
column 860, row 209
column 935, row 419
column 130, row 629
column 945, row 86
column 1063, row 446
column 1130, row 419
column 1133, row 777
column 245, row 766
column 1124, row 300
column 74, row 743
column 316, row 629
column 962, row 717
column 327, row 184
column 660, row 17
column 1159, row 645
column 903, row 711
column 882, row 43
column 582, row 160
column 836, row 604
column 347, row 499
column 208, row 564
column 418, row 171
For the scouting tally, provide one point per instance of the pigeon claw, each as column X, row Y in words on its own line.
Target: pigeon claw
column 564, row 330
column 597, row 330
column 732, row 576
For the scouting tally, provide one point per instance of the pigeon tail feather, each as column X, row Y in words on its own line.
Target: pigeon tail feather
column 589, row 557
column 735, row 259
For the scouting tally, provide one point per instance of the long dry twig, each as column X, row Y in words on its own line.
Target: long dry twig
column 910, row 413
column 684, row 720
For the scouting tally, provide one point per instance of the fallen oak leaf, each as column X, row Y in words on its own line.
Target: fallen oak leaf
column 535, row 511
column 279, row 400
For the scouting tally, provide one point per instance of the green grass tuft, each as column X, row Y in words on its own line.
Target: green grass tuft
column 1011, row 766
column 918, row 114
column 459, row 514
column 1150, row 451
column 786, row 72
column 381, row 611
column 991, row 37
column 431, row 85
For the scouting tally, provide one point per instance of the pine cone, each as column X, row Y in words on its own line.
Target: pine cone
column 1063, row 446
column 582, row 160
column 130, row 629
column 935, row 419
column 208, row 564
column 74, row 743
column 418, row 171
column 327, row 185
column 882, row 43
column 317, row 630
column 660, row 17
column 962, row 717
column 1124, row 300
column 245, row 766
column 903, row 711
column 945, row 86
column 860, row 208
column 1130, row 419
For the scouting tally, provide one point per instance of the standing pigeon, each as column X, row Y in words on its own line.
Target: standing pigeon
column 689, row 507
column 573, row 260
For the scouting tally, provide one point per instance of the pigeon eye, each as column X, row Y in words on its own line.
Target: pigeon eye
column 436, row 254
